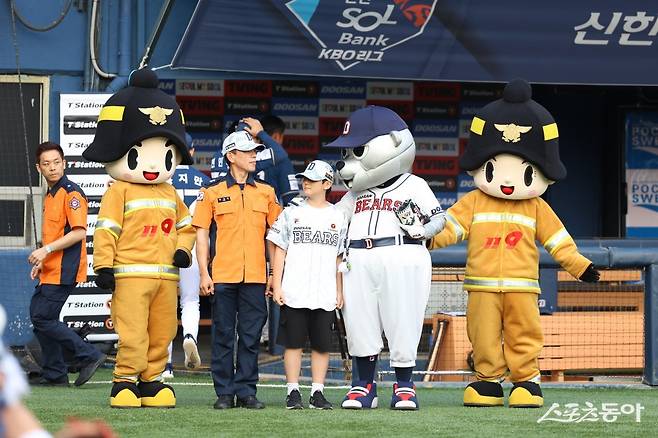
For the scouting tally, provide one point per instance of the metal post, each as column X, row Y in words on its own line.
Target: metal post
column 651, row 325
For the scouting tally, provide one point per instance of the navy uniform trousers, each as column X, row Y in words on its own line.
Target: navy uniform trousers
column 53, row 335
column 243, row 303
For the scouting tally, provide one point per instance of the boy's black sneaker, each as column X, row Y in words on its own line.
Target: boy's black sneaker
column 294, row 400
column 317, row 401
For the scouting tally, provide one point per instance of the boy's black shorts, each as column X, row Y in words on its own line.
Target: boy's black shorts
column 297, row 325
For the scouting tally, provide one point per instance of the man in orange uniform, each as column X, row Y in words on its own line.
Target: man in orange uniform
column 241, row 208
column 143, row 234
column 59, row 264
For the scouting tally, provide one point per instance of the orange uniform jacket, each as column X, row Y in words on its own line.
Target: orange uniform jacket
column 502, row 255
column 64, row 208
column 242, row 218
column 139, row 228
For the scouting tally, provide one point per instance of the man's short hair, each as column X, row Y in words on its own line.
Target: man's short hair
column 48, row 146
column 273, row 124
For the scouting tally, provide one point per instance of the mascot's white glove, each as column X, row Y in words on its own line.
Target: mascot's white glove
column 410, row 218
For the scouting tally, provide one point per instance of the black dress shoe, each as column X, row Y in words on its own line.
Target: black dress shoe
column 62, row 381
column 224, row 402
column 88, row 370
column 250, row 402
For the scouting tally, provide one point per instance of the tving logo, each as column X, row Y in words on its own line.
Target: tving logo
column 359, row 31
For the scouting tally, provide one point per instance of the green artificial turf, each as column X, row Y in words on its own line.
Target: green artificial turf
column 441, row 414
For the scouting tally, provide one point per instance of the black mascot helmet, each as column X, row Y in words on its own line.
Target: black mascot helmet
column 135, row 113
column 516, row 125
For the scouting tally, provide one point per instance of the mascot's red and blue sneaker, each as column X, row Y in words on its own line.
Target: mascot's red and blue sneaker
column 484, row 394
column 125, row 395
column 404, row 397
column 526, row 395
column 157, row 395
column 362, row 395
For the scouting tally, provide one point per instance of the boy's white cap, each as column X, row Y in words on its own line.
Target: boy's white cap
column 318, row 170
column 240, row 141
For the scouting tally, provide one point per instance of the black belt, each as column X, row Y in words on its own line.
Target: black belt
column 384, row 241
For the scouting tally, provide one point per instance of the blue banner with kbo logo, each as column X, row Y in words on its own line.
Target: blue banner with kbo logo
column 589, row 42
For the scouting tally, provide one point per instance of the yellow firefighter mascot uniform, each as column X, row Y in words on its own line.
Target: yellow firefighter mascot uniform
column 513, row 157
column 143, row 233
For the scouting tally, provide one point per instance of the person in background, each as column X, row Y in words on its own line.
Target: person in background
column 272, row 163
column 188, row 180
column 59, row 264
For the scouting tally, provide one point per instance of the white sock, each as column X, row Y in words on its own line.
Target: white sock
column 317, row 387
column 292, row 387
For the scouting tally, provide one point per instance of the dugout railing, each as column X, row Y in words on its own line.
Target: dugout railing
column 606, row 255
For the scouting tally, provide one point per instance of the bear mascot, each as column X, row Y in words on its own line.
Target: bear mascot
column 387, row 272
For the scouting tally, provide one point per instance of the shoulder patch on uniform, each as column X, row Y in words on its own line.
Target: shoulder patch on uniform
column 199, row 197
column 74, row 203
column 262, row 181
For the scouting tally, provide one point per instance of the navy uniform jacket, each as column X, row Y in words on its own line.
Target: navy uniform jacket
column 188, row 180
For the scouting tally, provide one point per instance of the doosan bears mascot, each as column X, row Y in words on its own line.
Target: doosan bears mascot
column 388, row 282
column 513, row 156
column 143, row 233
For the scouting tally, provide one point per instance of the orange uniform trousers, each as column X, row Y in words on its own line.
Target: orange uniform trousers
column 505, row 331
column 144, row 316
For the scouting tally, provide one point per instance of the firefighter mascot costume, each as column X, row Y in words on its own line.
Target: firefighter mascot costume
column 143, row 234
column 513, row 157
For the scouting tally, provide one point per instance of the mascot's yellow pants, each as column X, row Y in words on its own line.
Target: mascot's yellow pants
column 505, row 331
column 144, row 317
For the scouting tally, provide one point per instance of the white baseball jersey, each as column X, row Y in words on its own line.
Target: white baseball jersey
column 372, row 211
column 387, row 287
column 313, row 238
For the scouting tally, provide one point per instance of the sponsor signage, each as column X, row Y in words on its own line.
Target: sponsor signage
column 201, row 105
column 427, row 166
column 295, row 89
column 78, row 115
column 642, row 174
column 206, row 87
column 294, row 107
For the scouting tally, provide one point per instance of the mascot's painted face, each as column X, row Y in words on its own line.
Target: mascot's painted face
column 377, row 161
column 508, row 176
column 152, row 161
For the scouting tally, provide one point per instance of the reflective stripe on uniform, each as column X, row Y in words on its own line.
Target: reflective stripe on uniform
column 557, row 239
column 512, row 218
column 187, row 220
column 140, row 204
column 459, row 230
column 167, row 271
column 108, row 225
column 489, row 283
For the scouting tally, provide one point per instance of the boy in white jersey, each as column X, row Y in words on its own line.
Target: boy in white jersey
column 309, row 241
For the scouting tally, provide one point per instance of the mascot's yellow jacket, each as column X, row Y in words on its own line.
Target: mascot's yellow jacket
column 139, row 228
column 502, row 255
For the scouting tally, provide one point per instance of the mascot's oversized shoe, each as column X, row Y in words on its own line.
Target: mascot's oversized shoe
column 484, row 394
column 526, row 395
column 125, row 395
column 362, row 395
column 157, row 395
column 404, row 397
